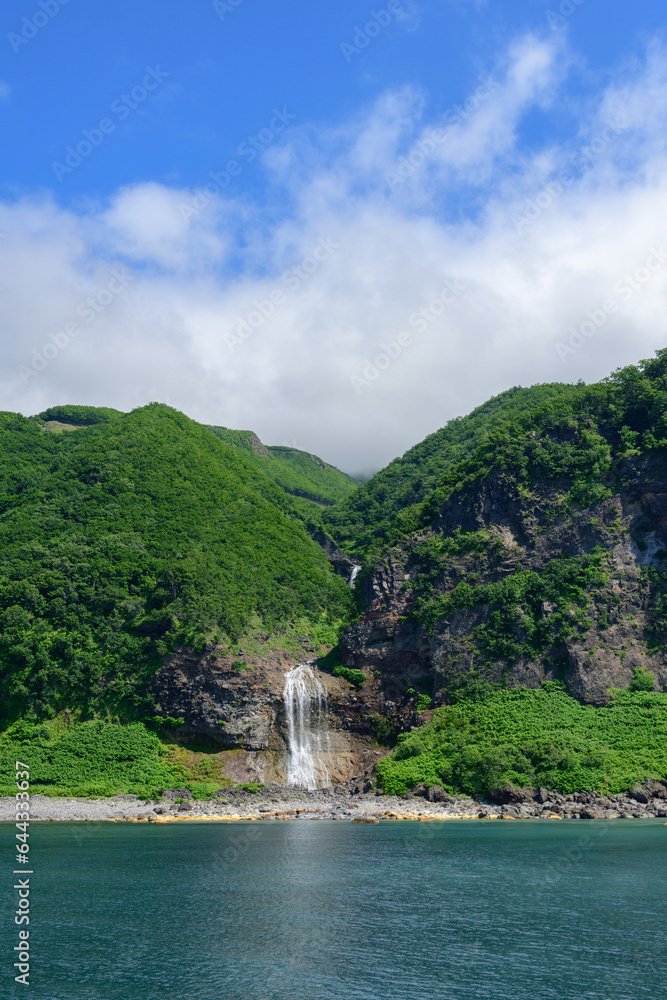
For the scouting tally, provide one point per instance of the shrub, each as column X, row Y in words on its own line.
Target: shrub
column 351, row 675
column 642, row 680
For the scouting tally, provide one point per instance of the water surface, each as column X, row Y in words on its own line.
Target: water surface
column 323, row 910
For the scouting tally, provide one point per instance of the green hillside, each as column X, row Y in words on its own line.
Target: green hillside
column 382, row 510
column 299, row 473
column 531, row 738
column 123, row 537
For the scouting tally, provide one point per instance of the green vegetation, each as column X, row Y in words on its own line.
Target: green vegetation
column 79, row 416
column 389, row 505
column 518, row 625
column 573, row 437
column 302, row 475
column 355, row 677
column 126, row 537
column 100, row 759
column 534, row 737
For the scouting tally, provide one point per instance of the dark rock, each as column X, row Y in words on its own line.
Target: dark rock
column 591, row 812
column 509, row 795
column 172, row 794
column 420, row 789
column 639, row 794
column 437, row 794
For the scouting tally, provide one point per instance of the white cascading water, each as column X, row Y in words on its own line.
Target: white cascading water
column 353, row 575
column 307, row 730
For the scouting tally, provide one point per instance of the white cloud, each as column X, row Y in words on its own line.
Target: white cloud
column 530, row 273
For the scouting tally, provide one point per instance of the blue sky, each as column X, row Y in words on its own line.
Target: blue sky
column 417, row 205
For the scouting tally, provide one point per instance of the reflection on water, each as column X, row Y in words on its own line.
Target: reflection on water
column 323, row 910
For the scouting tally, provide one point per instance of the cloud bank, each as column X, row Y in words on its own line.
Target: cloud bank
column 400, row 270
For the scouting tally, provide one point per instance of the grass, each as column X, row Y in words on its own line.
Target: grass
column 98, row 759
column 531, row 738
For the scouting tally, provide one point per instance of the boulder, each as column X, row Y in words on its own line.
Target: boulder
column 172, row 794
column 437, row 793
column 511, row 795
column 591, row 812
column 639, row 794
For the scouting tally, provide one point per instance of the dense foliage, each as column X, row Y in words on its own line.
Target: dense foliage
column 97, row 758
column 534, row 737
column 79, row 416
column 388, row 506
column 519, row 624
column 119, row 539
column 299, row 473
column 571, row 435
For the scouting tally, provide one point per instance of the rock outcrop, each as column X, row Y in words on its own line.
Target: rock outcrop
column 236, row 706
column 526, row 530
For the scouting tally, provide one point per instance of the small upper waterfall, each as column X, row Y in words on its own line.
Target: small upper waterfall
column 353, row 575
column 307, row 731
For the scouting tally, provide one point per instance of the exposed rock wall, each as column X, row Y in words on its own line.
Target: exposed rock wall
column 239, row 710
column 530, row 528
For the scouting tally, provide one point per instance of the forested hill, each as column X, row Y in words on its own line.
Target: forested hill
column 298, row 472
column 124, row 536
column 384, row 509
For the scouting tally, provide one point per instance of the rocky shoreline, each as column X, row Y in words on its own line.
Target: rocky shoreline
column 279, row 802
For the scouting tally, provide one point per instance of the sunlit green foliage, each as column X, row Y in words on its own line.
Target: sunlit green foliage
column 297, row 472
column 388, row 506
column 89, row 759
column 353, row 676
column 570, row 435
column 534, row 737
column 119, row 539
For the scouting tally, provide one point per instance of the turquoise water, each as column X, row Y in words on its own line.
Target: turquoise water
column 323, row 910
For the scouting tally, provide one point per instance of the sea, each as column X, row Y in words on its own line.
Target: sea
column 308, row 910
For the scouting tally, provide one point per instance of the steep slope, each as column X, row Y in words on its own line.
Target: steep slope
column 383, row 510
column 120, row 539
column 299, row 473
column 543, row 556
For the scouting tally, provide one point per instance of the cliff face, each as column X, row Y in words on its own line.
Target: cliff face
column 237, row 707
column 604, row 563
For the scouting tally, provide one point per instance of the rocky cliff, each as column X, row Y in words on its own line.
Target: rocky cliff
column 518, row 585
column 236, row 706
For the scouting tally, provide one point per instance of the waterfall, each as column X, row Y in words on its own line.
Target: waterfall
column 307, row 731
column 353, row 575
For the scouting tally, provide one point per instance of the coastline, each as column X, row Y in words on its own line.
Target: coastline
column 278, row 802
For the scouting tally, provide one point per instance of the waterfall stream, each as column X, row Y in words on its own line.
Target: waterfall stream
column 307, row 730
